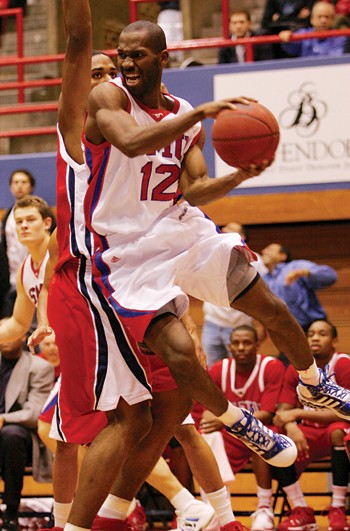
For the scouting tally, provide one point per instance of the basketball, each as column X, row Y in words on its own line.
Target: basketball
column 247, row 135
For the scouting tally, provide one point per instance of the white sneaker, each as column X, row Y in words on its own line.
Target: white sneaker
column 262, row 519
column 197, row 516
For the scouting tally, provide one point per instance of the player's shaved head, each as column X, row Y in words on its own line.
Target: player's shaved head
column 156, row 40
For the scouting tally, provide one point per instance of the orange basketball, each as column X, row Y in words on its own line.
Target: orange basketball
column 246, row 135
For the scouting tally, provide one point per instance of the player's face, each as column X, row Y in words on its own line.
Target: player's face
column 30, row 226
column 239, row 25
column 20, row 185
column 272, row 254
column 102, row 69
column 243, row 348
column 320, row 339
column 139, row 65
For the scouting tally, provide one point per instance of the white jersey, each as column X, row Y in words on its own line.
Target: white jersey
column 32, row 279
column 126, row 195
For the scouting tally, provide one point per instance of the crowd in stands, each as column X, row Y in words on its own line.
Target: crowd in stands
column 231, row 340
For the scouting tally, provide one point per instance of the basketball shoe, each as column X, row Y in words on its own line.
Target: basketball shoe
column 299, row 519
column 137, row 520
column 197, row 516
column 263, row 519
column 109, row 524
column 234, row 526
column 274, row 448
column 337, row 519
column 326, row 394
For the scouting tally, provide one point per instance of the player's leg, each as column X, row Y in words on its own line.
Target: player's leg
column 315, row 387
column 340, row 478
column 168, row 338
column 263, row 517
column 126, row 427
column 168, row 411
column 206, row 471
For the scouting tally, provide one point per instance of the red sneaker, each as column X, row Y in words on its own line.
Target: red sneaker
column 337, row 519
column 234, row 526
column 137, row 520
column 108, row 524
column 299, row 519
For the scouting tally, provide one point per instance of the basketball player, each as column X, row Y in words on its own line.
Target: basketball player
column 33, row 219
column 149, row 250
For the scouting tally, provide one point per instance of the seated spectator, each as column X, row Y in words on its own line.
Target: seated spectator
column 21, row 183
column 170, row 20
column 219, row 322
column 241, row 27
column 317, row 434
column 25, row 383
column 296, row 282
column 286, row 14
column 249, row 380
column 322, row 19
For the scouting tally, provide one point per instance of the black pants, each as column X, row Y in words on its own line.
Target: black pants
column 15, row 454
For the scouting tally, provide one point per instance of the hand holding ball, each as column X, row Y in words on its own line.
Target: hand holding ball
column 246, row 135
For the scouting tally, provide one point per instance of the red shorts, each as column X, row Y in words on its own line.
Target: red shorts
column 100, row 363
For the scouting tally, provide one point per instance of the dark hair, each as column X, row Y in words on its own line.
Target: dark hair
column 26, row 172
column 155, row 35
column 246, row 328
column 286, row 251
column 334, row 331
column 241, row 12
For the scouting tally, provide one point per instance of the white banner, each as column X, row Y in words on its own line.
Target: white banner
column 312, row 106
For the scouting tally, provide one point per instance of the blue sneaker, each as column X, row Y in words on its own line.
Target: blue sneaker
column 274, row 448
column 327, row 394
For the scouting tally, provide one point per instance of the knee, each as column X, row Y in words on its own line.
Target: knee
column 337, row 438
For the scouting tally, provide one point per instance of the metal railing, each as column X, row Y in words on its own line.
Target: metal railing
column 20, row 62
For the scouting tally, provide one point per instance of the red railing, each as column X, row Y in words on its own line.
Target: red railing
column 20, row 62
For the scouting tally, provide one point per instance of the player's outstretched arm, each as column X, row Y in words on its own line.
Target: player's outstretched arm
column 199, row 189
column 43, row 329
column 19, row 323
column 76, row 77
column 109, row 120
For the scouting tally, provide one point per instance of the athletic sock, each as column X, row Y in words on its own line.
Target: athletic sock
column 61, row 512
column 295, row 495
column 310, row 376
column 231, row 415
column 264, row 497
column 182, row 499
column 221, row 502
column 114, row 507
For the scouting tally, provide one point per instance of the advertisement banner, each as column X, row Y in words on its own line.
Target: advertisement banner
column 312, row 106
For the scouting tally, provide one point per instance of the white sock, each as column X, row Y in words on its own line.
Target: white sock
column 182, row 499
column 295, row 495
column 311, row 375
column 114, row 507
column 132, row 506
column 71, row 527
column 339, row 495
column 264, row 497
column 221, row 502
column 231, row 415
column 61, row 512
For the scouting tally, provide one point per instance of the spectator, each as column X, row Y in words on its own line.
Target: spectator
column 317, row 433
column 296, row 282
column 322, row 19
column 21, row 183
column 49, row 352
column 286, row 14
column 249, row 380
column 219, row 321
column 241, row 27
column 25, row 382
column 170, row 20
